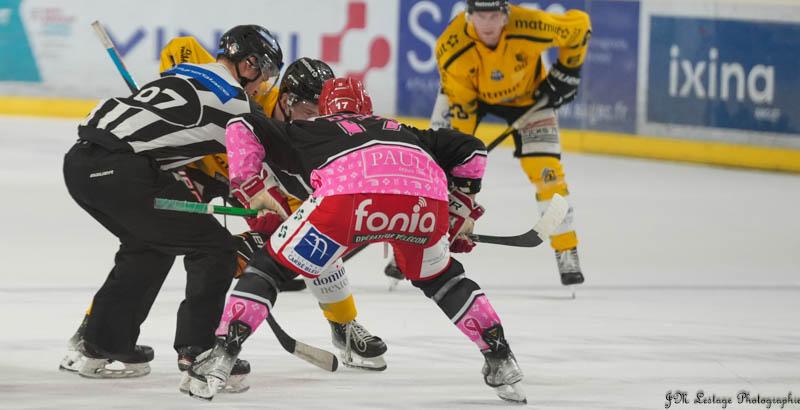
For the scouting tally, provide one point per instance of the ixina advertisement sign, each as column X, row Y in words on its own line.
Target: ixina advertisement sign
column 607, row 99
column 730, row 74
column 356, row 37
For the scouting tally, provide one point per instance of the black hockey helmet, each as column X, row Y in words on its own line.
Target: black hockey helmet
column 243, row 42
column 303, row 79
column 487, row 5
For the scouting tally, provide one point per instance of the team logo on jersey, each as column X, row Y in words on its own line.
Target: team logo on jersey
column 497, row 75
column 313, row 251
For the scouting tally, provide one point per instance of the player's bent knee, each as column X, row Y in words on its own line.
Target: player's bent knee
column 450, row 290
column 547, row 174
column 430, row 286
column 257, row 285
column 264, row 266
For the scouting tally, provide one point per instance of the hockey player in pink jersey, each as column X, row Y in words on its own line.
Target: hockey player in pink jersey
column 371, row 180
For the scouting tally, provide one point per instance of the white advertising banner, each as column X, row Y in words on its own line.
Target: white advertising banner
column 356, row 37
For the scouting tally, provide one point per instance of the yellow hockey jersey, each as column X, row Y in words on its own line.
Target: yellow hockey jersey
column 508, row 74
column 188, row 50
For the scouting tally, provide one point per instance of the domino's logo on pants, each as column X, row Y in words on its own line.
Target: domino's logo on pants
column 312, row 251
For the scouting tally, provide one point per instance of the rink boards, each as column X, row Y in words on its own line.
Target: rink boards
column 704, row 81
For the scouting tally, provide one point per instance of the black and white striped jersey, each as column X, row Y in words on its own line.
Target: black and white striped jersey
column 175, row 119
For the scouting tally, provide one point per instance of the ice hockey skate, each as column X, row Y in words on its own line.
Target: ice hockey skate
column 74, row 359
column 501, row 371
column 211, row 373
column 394, row 274
column 358, row 348
column 236, row 383
column 569, row 267
column 102, row 365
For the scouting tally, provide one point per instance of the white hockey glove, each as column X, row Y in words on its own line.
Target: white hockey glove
column 440, row 116
column 262, row 192
column 463, row 213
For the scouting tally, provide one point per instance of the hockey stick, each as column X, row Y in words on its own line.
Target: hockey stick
column 552, row 217
column 318, row 357
column 524, row 118
column 354, row 252
column 550, row 220
column 202, row 208
column 115, row 57
column 323, row 359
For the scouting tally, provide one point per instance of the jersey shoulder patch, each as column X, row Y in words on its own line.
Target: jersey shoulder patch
column 454, row 43
column 211, row 80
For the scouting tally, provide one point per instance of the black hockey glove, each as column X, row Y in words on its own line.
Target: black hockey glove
column 247, row 244
column 559, row 87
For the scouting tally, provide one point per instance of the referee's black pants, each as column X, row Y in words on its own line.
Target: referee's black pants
column 118, row 189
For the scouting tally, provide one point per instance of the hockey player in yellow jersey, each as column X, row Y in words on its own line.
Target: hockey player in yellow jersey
column 296, row 99
column 490, row 62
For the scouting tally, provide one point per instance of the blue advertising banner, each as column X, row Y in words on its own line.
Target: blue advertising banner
column 607, row 95
column 607, row 98
column 16, row 55
column 732, row 74
column 421, row 22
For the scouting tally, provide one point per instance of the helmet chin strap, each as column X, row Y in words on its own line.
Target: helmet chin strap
column 243, row 81
column 286, row 117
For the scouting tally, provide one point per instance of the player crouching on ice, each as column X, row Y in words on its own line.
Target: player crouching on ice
column 374, row 180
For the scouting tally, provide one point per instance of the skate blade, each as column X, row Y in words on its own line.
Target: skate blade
column 204, row 389
column 97, row 369
column 376, row 364
column 72, row 362
column 236, row 384
column 393, row 284
column 512, row 393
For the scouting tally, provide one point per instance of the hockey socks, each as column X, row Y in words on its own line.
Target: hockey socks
column 477, row 317
column 244, row 310
column 462, row 300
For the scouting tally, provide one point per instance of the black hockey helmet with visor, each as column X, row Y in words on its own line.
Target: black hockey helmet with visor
column 302, row 85
column 258, row 47
column 303, row 79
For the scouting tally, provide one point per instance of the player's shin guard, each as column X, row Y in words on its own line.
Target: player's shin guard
column 332, row 291
column 249, row 302
column 247, row 307
column 463, row 301
column 547, row 174
column 358, row 347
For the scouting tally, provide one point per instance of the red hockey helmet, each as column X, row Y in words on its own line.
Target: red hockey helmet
column 344, row 95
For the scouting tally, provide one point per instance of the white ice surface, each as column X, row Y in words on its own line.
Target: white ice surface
column 693, row 282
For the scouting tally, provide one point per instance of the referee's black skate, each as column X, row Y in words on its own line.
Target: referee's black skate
column 358, row 347
column 104, row 365
column 501, row 371
column 236, row 383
